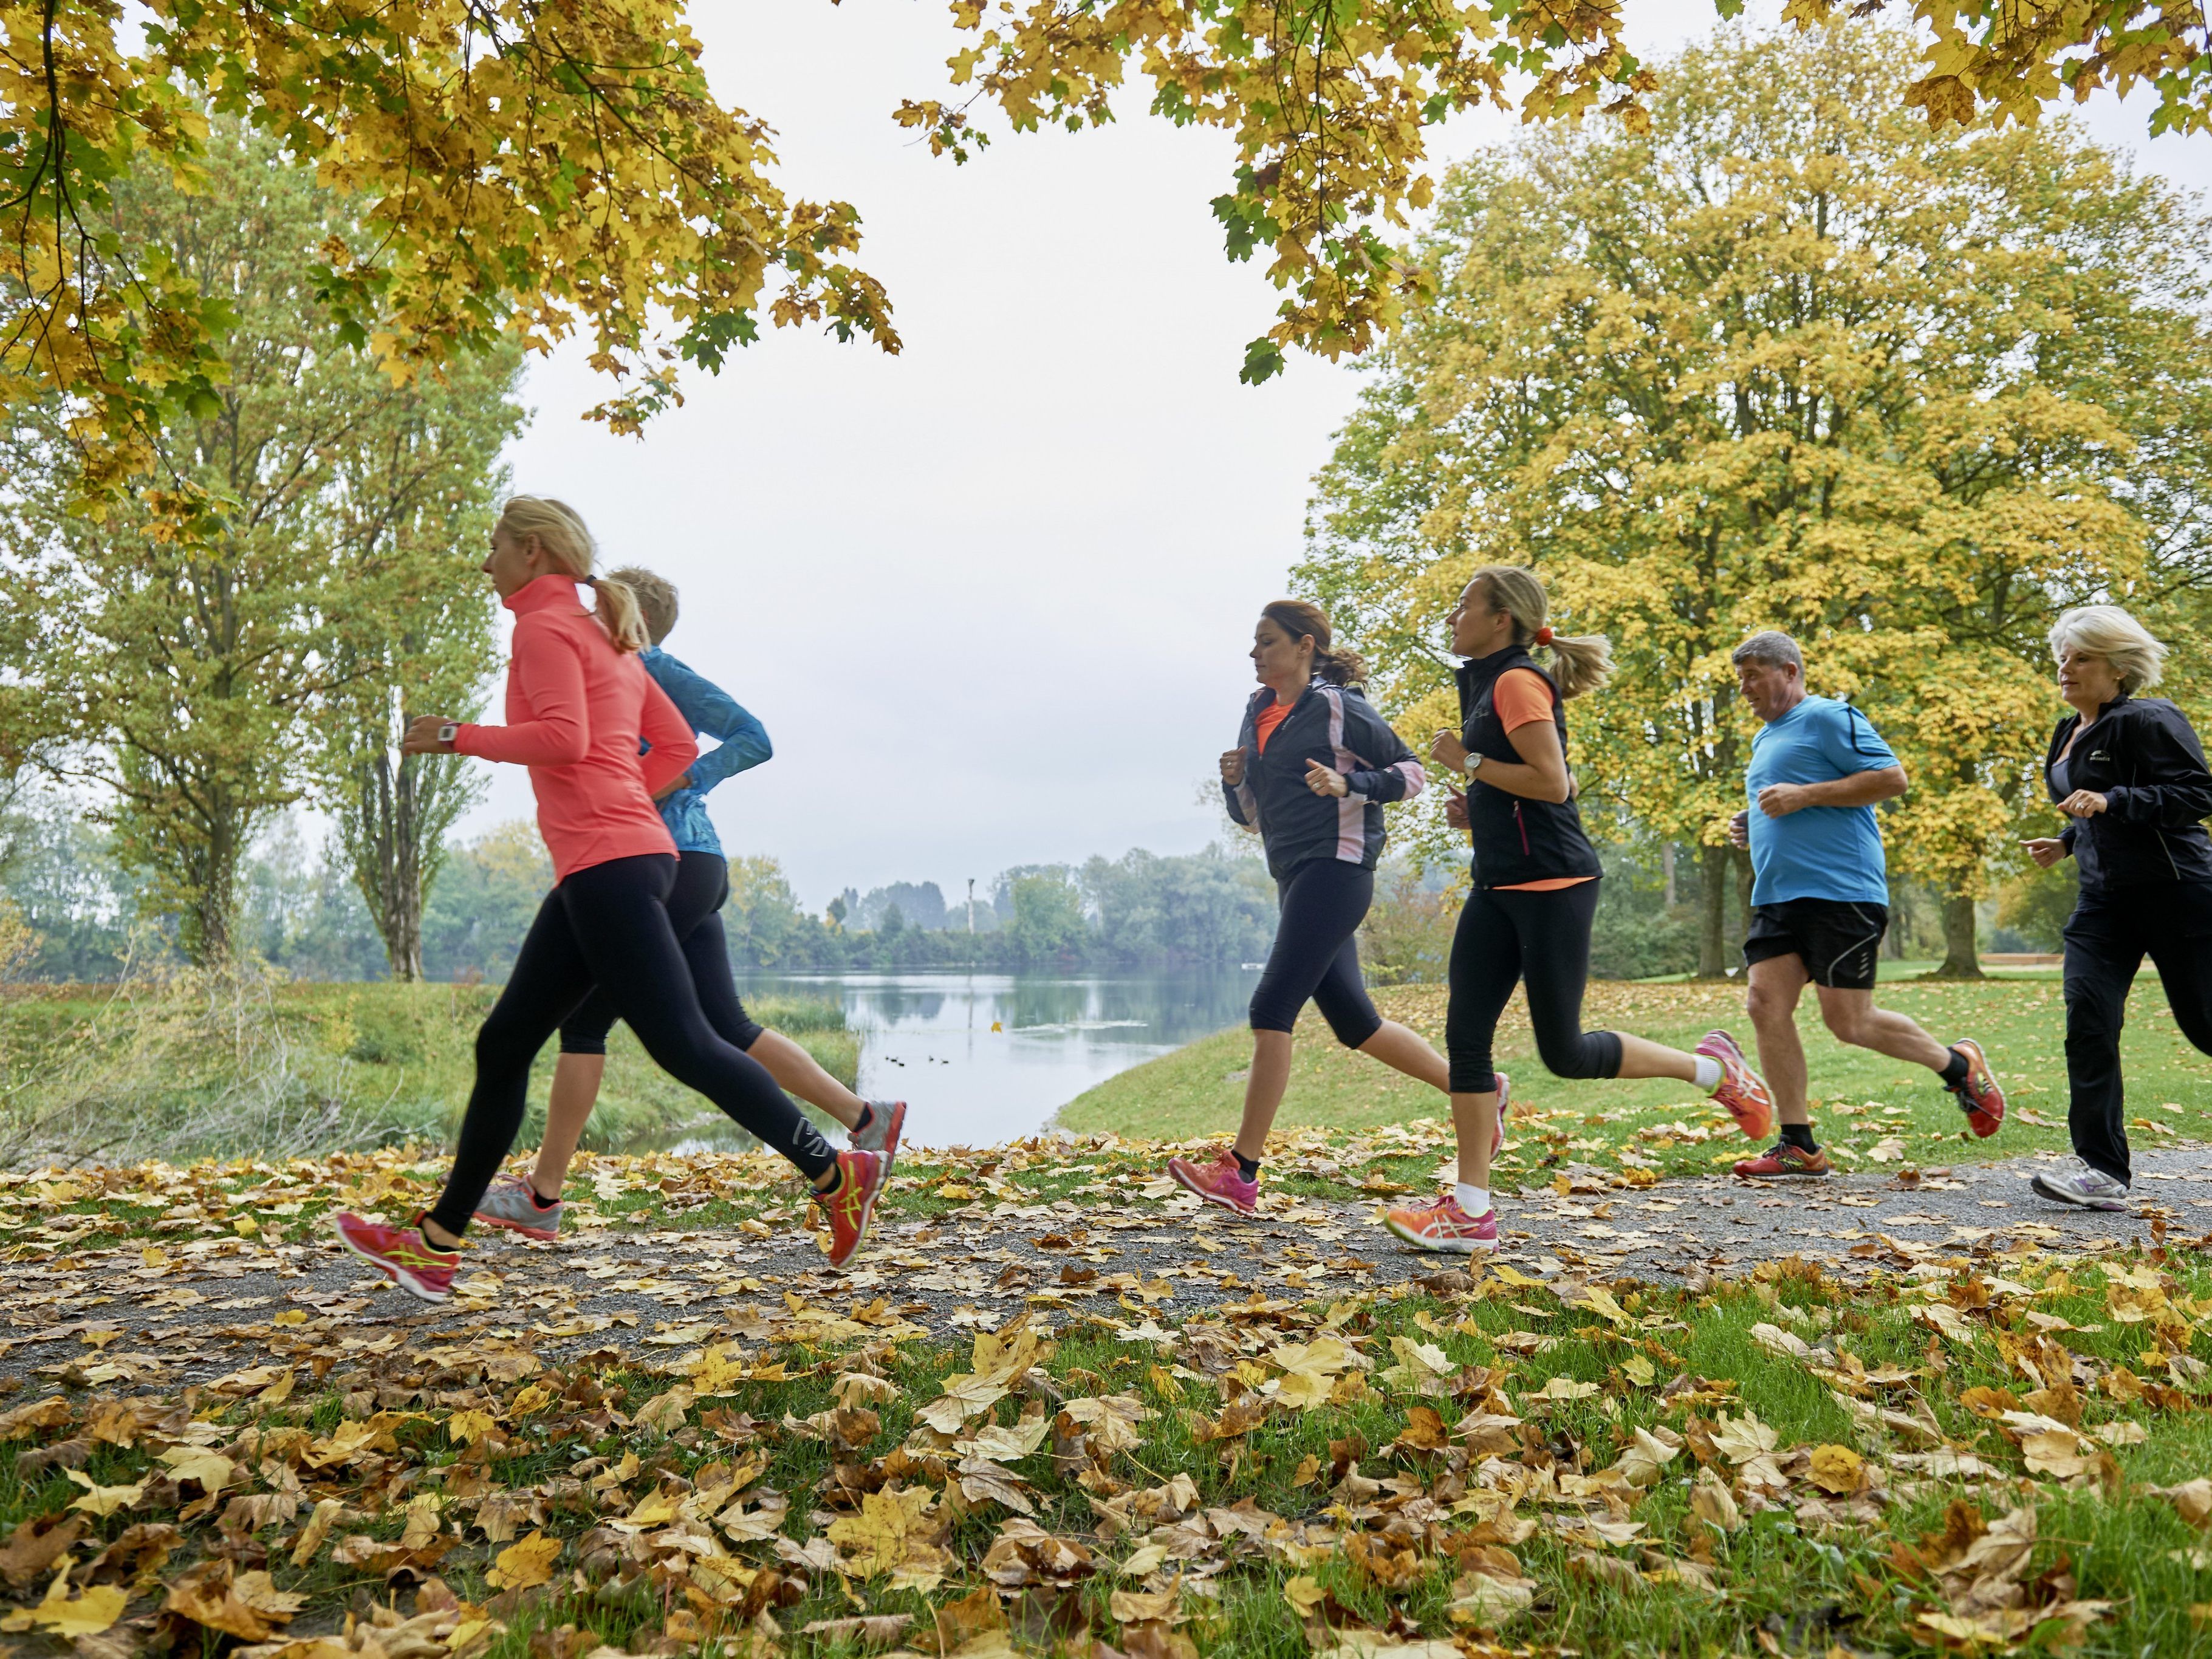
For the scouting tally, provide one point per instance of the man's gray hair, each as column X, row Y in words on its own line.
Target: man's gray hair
column 1773, row 648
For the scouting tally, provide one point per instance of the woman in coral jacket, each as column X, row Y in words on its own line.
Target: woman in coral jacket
column 578, row 704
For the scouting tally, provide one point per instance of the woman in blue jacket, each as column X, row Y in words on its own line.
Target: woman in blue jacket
column 1313, row 767
column 2129, row 773
column 694, row 905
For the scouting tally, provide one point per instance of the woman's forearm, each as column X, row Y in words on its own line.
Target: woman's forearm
column 1528, row 782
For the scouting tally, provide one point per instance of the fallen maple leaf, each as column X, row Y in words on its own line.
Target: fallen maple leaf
column 61, row 1615
column 525, row 1563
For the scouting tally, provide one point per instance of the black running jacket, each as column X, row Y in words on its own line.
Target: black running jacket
column 1336, row 725
column 2143, row 757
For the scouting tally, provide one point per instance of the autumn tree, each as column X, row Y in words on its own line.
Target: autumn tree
column 1789, row 358
column 195, row 678
column 535, row 169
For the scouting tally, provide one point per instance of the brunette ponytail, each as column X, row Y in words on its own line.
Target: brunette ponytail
column 1302, row 620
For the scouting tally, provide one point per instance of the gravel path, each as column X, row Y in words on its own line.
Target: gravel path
column 116, row 1317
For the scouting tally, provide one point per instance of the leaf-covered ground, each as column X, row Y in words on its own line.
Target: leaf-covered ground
column 1055, row 1410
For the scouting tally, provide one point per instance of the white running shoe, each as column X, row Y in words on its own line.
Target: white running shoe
column 2080, row 1184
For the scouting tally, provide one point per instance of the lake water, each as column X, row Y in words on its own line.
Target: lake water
column 982, row 1058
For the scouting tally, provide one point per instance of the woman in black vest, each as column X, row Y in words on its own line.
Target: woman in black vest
column 1527, row 919
column 2129, row 772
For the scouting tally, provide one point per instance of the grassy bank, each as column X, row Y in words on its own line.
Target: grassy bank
column 1871, row 1110
column 178, row 1067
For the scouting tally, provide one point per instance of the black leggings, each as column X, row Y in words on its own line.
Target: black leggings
column 1316, row 952
column 2107, row 937
column 1542, row 941
column 702, row 887
column 608, row 924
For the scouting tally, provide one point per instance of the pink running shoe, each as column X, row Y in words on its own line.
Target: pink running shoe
column 401, row 1254
column 1505, row 1089
column 1441, row 1224
column 1743, row 1090
column 1223, row 1184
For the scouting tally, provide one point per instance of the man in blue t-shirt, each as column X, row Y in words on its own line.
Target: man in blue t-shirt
column 1819, row 898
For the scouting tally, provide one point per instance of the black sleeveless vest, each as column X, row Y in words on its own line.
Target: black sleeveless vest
column 1516, row 840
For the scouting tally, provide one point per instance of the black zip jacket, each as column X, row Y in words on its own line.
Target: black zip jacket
column 2143, row 757
column 1337, row 727
column 1516, row 840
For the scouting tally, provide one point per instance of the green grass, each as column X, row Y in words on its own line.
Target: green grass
column 1862, row 1099
column 1815, row 1582
column 177, row 1069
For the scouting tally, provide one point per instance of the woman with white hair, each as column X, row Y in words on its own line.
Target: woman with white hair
column 2130, row 773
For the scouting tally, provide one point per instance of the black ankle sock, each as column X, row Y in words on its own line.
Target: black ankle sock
column 1248, row 1167
column 1955, row 1070
column 838, row 1170
column 1799, row 1135
column 867, row 1116
column 540, row 1199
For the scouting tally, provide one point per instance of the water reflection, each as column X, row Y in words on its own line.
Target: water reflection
column 989, row 1057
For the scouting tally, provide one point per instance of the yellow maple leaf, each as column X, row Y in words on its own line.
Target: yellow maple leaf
column 525, row 1563
column 88, row 1615
column 467, row 1428
column 104, row 1501
column 1838, row 1470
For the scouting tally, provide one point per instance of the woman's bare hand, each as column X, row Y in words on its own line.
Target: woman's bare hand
column 421, row 736
column 2082, row 804
column 1232, row 767
column 1323, row 781
column 2045, row 850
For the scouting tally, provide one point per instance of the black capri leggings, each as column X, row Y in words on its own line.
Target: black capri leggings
column 1316, row 952
column 694, row 903
column 1542, row 940
column 608, row 924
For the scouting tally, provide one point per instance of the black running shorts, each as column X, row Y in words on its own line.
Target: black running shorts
column 1838, row 939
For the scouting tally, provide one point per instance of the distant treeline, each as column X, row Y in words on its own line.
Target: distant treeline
column 69, row 911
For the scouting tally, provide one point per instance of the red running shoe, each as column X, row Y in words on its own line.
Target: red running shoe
column 1505, row 1089
column 401, row 1254
column 1980, row 1097
column 1223, row 1182
column 1784, row 1159
column 852, row 1203
column 1441, row 1224
column 1743, row 1090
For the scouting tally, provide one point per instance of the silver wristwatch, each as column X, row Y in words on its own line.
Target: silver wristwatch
column 1474, row 763
column 448, row 731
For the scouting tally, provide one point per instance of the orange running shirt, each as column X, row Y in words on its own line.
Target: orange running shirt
column 1521, row 699
column 1271, row 717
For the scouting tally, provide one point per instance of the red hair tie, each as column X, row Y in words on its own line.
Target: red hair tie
column 1543, row 636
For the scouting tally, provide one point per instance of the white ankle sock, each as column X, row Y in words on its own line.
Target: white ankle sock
column 1709, row 1073
column 1475, row 1201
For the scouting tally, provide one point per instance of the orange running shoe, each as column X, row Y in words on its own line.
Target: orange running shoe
column 1980, row 1097
column 852, row 1203
column 1743, row 1090
column 1784, row 1159
column 402, row 1255
column 1441, row 1224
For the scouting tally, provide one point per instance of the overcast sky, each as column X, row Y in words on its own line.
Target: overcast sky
column 990, row 597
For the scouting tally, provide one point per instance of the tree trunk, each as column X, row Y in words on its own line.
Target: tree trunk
column 1667, row 869
column 1712, row 905
column 211, row 941
column 1960, row 958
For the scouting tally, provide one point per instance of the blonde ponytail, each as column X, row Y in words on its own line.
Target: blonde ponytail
column 1580, row 662
column 559, row 528
column 619, row 613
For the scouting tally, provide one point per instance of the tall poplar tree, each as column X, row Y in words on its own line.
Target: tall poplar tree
column 1789, row 359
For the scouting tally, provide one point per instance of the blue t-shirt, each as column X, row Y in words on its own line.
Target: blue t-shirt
column 1816, row 852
